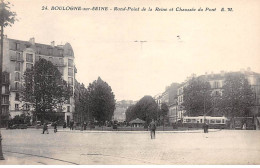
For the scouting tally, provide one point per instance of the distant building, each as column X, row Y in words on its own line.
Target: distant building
column 20, row 55
column 217, row 81
column 121, row 107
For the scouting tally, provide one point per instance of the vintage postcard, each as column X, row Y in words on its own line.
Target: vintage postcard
column 130, row 82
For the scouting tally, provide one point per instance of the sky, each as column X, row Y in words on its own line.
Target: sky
column 107, row 44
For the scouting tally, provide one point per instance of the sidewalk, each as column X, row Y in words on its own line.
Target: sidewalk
column 135, row 132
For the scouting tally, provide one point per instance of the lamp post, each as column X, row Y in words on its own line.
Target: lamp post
column 1, row 78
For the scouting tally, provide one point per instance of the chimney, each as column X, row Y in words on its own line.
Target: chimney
column 32, row 41
column 53, row 43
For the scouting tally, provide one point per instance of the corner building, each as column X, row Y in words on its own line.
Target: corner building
column 20, row 55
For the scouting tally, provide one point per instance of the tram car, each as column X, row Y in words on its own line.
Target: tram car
column 213, row 122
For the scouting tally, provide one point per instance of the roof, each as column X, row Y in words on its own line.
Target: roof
column 137, row 121
column 43, row 49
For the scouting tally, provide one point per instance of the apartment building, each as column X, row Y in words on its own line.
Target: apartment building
column 20, row 55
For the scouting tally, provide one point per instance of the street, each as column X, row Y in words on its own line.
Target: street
column 29, row 146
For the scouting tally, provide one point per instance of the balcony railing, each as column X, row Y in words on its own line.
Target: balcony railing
column 5, row 103
column 6, row 92
column 60, row 64
column 6, row 81
column 15, row 58
column 15, row 89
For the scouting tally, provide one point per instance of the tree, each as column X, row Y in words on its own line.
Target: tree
column 130, row 113
column 237, row 96
column 145, row 109
column 81, row 102
column 164, row 111
column 45, row 89
column 7, row 18
column 101, row 101
column 197, row 97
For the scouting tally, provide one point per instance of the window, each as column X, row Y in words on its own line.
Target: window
column 17, row 76
column 5, row 100
column 6, row 89
column 5, row 110
column 17, row 46
column 29, row 66
column 68, row 108
column 29, row 58
column 61, row 52
column 70, row 81
column 70, row 72
column 17, row 96
column 16, row 85
column 212, row 121
column 18, row 56
column 50, row 51
column 38, row 50
column 70, row 63
column 216, row 84
column 16, row 106
column 218, row 121
column 17, row 66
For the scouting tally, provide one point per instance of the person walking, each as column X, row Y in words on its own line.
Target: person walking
column 152, row 127
column 71, row 125
column 55, row 126
column 64, row 125
column 45, row 128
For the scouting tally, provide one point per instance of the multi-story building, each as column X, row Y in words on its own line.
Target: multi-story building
column 20, row 55
column 217, row 81
column 120, row 111
column 173, row 114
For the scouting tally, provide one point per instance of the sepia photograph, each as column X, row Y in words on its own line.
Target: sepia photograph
column 129, row 82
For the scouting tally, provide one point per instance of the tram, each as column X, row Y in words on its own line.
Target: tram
column 213, row 122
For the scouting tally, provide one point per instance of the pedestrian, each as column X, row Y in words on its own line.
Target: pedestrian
column 152, row 127
column 204, row 127
column 64, row 125
column 85, row 125
column 207, row 127
column 55, row 126
column 71, row 125
column 45, row 128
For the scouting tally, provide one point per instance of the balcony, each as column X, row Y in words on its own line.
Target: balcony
column 6, row 82
column 5, row 103
column 60, row 64
column 6, row 92
column 15, row 89
column 14, row 58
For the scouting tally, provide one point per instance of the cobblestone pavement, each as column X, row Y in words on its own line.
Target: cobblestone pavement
column 109, row 148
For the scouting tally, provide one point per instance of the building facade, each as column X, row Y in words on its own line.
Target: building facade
column 20, row 55
column 217, row 82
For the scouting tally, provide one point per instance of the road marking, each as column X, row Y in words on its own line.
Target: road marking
column 42, row 157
